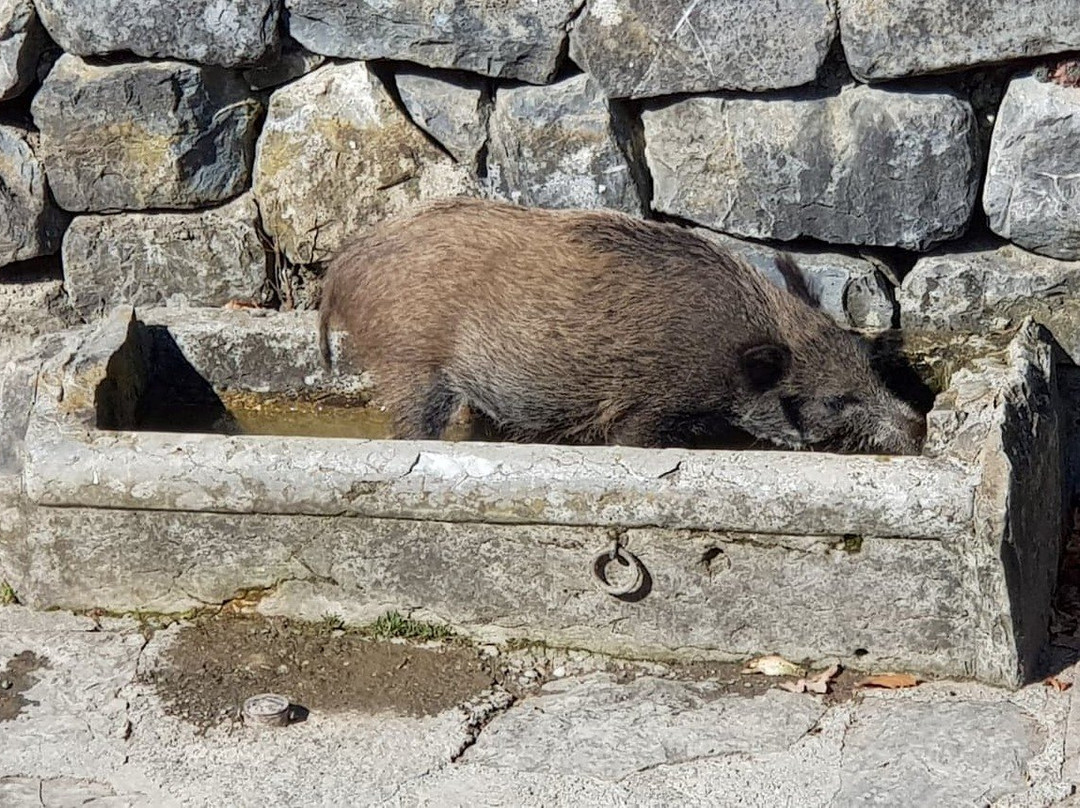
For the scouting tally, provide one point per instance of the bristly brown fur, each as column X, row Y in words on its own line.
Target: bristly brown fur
column 595, row 326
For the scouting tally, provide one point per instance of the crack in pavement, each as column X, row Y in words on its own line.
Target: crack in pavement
column 478, row 713
column 663, row 764
column 848, row 720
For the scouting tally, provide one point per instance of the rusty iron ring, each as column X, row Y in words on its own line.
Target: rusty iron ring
column 599, row 569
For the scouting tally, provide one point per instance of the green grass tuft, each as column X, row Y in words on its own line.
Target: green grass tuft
column 7, row 594
column 331, row 621
column 393, row 625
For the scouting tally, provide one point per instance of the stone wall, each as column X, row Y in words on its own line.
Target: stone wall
column 922, row 157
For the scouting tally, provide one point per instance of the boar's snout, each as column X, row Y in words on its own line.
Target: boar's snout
column 904, row 432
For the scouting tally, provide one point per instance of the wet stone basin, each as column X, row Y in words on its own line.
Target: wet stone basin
column 177, row 459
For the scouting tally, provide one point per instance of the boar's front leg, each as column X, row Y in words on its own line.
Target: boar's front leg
column 674, row 430
column 642, row 427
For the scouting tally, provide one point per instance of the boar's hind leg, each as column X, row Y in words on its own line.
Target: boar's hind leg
column 421, row 406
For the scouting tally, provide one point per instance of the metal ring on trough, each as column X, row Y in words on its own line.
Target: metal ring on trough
column 599, row 571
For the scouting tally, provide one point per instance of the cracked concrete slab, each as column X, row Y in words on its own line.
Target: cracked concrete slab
column 905, row 747
column 634, row 727
column 62, row 792
column 804, row 773
column 98, row 736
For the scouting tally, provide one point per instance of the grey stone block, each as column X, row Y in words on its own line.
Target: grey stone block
column 17, row 383
column 215, row 32
column 894, row 748
column 336, row 154
column 992, row 287
column 721, row 608
column 21, row 41
column 452, row 110
column 561, row 146
column 1032, row 190
column 495, row 482
column 636, row 48
column 852, row 290
column 32, row 303
column 805, row 554
column 512, row 39
column 911, row 37
column 267, row 349
column 680, row 723
column 205, row 258
column 500, row 581
column 30, row 223
column 867, row 166
column 144, row 135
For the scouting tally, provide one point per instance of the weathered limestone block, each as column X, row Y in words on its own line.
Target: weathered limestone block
column 512, row 39
column 560, row 146
column 910, row 37
column 1032, row 190
column 21, row 41
column 144, row 135
column 894, row 747
column 637, row 48
column 16, row 399
column 214, row 32
column 454, row 111
column 866, row 166
column 206, row 258
column 124, row 564
column 1019, row 506
column 851, row 290
column 293, row 62
column 30, row 224
column 336, row 154
column 32, row 303
column 276, row 350
column 990, row 288
column 684, row 722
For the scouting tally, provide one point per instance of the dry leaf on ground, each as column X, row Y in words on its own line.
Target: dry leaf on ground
column 820, row 683
column 1057, row 684
column 1067, row 73
column 814, row 684
column 772, row 665
column 889, row 681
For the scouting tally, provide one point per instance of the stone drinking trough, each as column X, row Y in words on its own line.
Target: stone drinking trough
column 942, row 563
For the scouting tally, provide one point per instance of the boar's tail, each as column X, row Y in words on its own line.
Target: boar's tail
column 324, row 337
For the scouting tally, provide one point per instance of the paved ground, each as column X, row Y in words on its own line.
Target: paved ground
column 84, row 725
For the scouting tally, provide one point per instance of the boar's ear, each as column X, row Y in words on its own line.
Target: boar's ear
column 765, row 365
column 795, row 280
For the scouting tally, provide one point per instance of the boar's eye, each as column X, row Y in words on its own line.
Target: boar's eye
column 841, row 402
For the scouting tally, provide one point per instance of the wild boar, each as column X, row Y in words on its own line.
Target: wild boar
column 595, row 327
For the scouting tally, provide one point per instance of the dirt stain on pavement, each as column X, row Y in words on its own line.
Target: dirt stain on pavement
column 15, row 679
column 215, row 664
